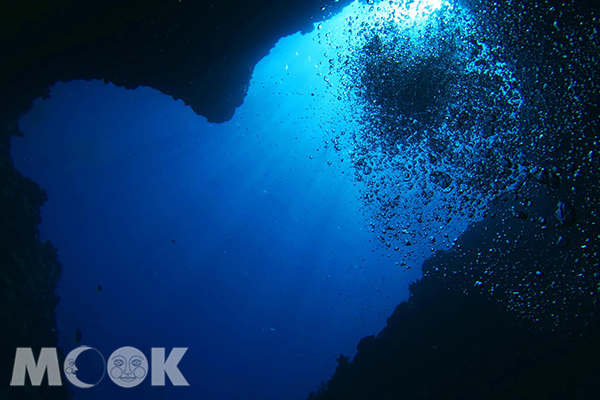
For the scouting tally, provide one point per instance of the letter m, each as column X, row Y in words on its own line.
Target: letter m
column 24, row 362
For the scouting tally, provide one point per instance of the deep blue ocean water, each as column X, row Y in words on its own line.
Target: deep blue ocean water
column 236, row 240
column 247, row 242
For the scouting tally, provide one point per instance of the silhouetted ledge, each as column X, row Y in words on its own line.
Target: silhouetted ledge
column 200, row 51
column 452, row 340
column 29, row 272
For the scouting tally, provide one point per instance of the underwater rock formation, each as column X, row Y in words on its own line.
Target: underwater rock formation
column 203, row 52
column 29, row 273
column 489, row 320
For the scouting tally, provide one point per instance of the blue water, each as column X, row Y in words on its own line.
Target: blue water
column 238, row 241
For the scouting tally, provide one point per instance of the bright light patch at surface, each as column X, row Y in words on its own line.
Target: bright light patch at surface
column 414, row 10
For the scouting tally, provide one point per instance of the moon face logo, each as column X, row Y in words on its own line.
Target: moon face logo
column 70, row 367
column 127, row 366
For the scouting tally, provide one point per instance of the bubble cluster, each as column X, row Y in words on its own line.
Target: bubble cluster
column 436, row 119
column 448, row 119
